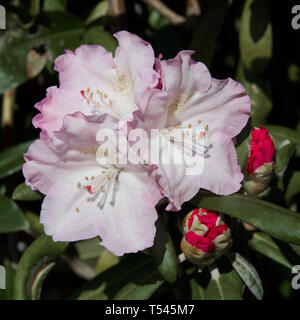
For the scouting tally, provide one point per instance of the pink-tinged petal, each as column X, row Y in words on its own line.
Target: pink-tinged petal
column 127, row 224
column 221, row 175
column 176, row 185
column 220, row 104
column 47, row 164
column 224, row 108
column 87, row 66
column 183, row 74
column 153, row 111
column 135, row 57
column 67, row 214
column 55, row 106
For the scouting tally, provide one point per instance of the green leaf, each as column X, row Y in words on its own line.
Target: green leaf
column 247, row 273
column 285, row 144
column 25, row 193
column 33, row 266
column 88, row 249
column 284, row 133
column 242, row 148
column 259, row 90
column 197, row 291
column 295, row 248
column 60, row 31
column 225, row 286
column 264, row 244
column 279, row 222
column 255, row 37
column 40, row 273
column 55, row 5
column 34, row 222
column 206, row 32
column 293, row 187
column 11, row 217
column 97, row 35
column 100, row 10
column 106, row 260
column 11, row 159
column 142, row 288
column 163, row 253
column 10, row 273
column 135, row 277
column 157, row 21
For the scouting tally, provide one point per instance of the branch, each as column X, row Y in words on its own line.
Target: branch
column 165, row 11
column 8, row 108
column 116, row 7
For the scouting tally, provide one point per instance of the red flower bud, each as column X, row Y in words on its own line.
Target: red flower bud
column 206, row 236
column 260, row 162
column 262, row 149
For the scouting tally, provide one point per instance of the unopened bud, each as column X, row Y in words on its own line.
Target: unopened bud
column 206, row 237
column 260, row 163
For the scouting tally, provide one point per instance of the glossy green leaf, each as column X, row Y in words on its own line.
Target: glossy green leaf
column 207, row 31
column 88, row 249
column 225, row 286
column 279, row 222
column 163, row 253
column 197, row 291
column 97, row 35
column 259, row 90
column 11, row 159
column 284, row 133
column 61, row 30
column 106, row 260
column 11, row 217
column 25, row 193
column 295, row 248
column 55, row 5
column 242, row 147
column 285, row 144
column 247, row 273
column 10, row 273
column 264, row 244
column 40, row 273
column 100, row 10
column 34, row 222
column 34, row 265
column 135, row 277
column 255, row 37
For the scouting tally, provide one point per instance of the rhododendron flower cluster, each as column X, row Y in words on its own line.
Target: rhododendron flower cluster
column 206, row 236
column 260, row 161
column 87, row 197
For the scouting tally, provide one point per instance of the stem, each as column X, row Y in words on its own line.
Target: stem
column 165, row 11
column 8, row 108
column 7, row 118
column 116, row 7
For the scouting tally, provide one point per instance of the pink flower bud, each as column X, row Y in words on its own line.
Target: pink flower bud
column 206, row 236
column 262, row 149
column 260, row 162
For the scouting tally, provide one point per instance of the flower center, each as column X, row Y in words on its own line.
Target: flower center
column 101, row 184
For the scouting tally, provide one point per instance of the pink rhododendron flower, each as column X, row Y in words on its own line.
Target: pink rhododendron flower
column 262, row 149
column 94, row 82
column 191, row 98
column 85, row 199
